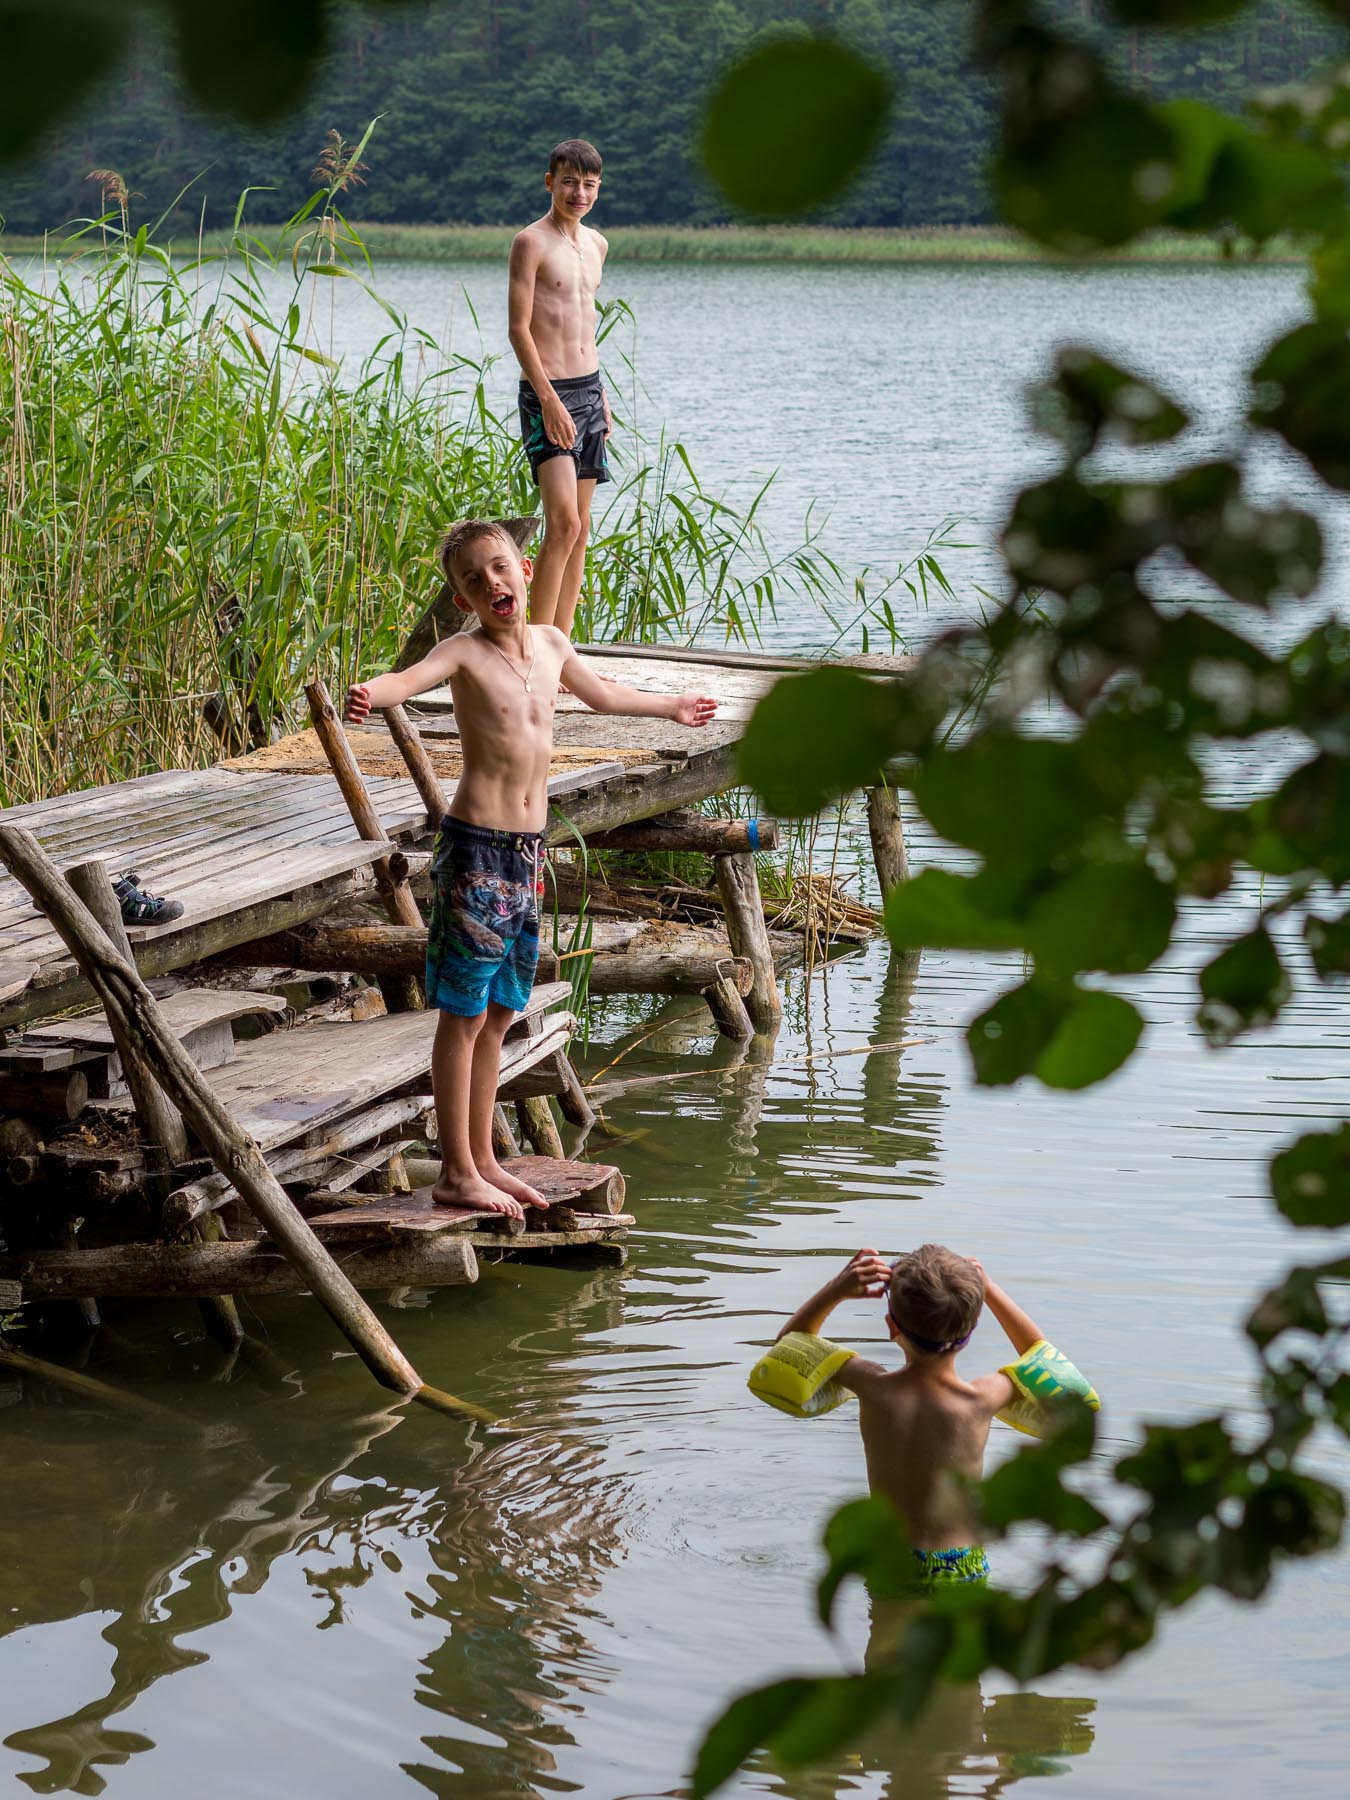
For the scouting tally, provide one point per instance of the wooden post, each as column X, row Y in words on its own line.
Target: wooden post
column 728, row 1009
column 886, row 828
column 536, row 1123
column 402, row 993
column 131, row 1007
column 738, row 884
column 414, row 754
column 572, row 1101
column 161, row 1123
column 503, row 1138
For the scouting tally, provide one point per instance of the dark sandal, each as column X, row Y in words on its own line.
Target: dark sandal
column 140, row 908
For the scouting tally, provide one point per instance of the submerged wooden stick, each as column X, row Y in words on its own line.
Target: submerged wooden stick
column 89, row 1386
column 125, row 996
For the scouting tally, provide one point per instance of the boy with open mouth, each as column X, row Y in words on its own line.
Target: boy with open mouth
column 483, row 941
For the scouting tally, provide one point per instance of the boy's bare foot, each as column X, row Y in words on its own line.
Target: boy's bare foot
column 472, row 1190
column 497, row 1176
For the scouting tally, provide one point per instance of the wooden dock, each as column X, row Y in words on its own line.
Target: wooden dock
column 276, row 862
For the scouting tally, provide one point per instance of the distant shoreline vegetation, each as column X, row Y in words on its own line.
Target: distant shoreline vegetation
column 721, row 244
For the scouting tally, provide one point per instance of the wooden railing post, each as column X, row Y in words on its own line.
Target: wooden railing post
column 402, row 993
column 738, row 884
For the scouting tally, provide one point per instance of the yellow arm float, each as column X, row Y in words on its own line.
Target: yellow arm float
column 1042, row 1375
column 797, row 1375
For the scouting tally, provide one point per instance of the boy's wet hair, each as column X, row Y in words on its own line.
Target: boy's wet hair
column 935, row 1295
column 574, row 153
column 469, row 531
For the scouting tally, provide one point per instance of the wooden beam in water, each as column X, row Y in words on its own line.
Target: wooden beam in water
column 240, row 1267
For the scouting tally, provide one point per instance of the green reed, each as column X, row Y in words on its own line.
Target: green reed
column 204, row 507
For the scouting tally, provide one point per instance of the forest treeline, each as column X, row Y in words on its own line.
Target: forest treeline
column 471, row 96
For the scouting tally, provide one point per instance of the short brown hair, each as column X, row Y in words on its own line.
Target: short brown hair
column 574, row 153
column 935, row 1297
column 467, row 532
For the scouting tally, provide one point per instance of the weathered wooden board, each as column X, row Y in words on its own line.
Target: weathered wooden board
column 217, row 840
column 183, row 1012
column 292, row 1082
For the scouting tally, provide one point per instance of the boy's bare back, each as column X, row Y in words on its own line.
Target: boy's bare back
column 924, row 1436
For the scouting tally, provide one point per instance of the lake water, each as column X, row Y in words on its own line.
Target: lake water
column 301, row 1592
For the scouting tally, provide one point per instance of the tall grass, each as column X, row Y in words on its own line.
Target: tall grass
column 203, row 507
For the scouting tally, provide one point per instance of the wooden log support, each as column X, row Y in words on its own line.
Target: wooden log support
column 20, row 1152
column 241, row 1267
column 86, row 1307
column 691, row 831
column 738, row 884
column 413, row 752
column 572, row 1101
column 126, row 999
column 53, row 1099
column 728, row 1009
column 537, row 1126
column 886, row 829
column 161, row 1124
column 504, row 1142
column 402, row 993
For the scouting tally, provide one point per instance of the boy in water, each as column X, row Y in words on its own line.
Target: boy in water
column 924, row 1425
column 483, row 942
column 555, row 271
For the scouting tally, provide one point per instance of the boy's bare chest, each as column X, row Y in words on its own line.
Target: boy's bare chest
column 569, row 276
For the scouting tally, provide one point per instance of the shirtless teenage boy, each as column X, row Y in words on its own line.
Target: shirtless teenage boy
column 924, row 1424
column 564, row 416
column 483, row 942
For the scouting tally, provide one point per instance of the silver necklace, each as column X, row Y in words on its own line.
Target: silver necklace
column 567, row 240
column 510, row 665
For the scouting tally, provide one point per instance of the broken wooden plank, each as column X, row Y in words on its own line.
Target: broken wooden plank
column 186, row 1011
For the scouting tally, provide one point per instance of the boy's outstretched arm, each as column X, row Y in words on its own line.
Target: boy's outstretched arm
column 435, row 668
column 863, row 1277
column 1020, row 1329
column 610, row 697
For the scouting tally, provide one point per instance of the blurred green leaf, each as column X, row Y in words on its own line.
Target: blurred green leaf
column 868, row 1538
column 1081, row 163
column 1301, row 388
column 1264, row 185
column 1089, row 398
column 1096, row 1035
column 1068, row 1037
column 813, row 737
column 747, row 1724
column 945, row 911
column 249, row 57
column 1302, row 825
column 1027, row 1486
column 1175, row 12
column 1329, row 289
column 1328, row 942
column 1244, row 986
column 52, row 54
column 1020, row 801
column 1293, row 1304
column 1311, row 1179
column 791, row 124
column 1115, row 916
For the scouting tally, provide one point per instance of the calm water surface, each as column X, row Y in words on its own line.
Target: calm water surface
column 300, row 1592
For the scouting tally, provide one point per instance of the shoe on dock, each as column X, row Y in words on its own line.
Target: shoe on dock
column 140, row 908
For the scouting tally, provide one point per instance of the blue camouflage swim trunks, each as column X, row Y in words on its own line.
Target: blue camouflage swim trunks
column 483, row 941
